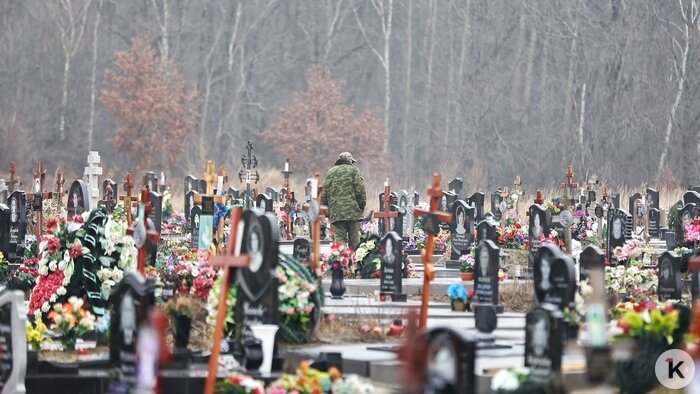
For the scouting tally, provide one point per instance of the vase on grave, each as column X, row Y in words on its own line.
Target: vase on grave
column 466, row 276
column 337, row 283
column 181, row 327
column 458, row 305
column 266, row 334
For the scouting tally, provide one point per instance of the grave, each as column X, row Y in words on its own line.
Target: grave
column 109, row 195
column 554, row 278
column 301, row 251
column 150, row 180
column 390, row 251
column 264, row 202
column 477, row 201
column 486, row 230
column 18, row 225
column 543, row 345
column 486, row 274
column 461, row 232
column 498, row 205
column 78, row 198
column 91, row 175
column 538, row 226
column 669, row 286
column 13, row 341
column 619, row 230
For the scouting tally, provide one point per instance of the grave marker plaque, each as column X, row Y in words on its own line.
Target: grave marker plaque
column 669, row 266
column 257, row 301
column 543, row 345
column 195, row 220
column 78, row 198
column 486, row 230
column 461, row 229
column 13, row 341
column 18, row 224
column 390, row 251
column 554, row 277
column 486, row 273
column 302, row 250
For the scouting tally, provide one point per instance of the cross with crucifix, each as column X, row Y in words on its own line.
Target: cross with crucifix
column 141, row 230
column 58, row 192
column 289, row 201
column 221, row 180
column 569, row 188
column 314, row 209
column 207, row 202
column 386, row 214
column 431, row 226
column 246, row 175
column 504, row 204
column 37, row 197
column 516, row 188
column 92, row 173
column 641, row 217
column 13, row 179
column 128, row 199
column 229, row 263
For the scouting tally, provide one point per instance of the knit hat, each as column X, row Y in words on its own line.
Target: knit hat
column 347, row 156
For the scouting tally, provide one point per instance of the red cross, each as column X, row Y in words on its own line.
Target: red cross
column 151, row 234
column 386, row 213
column 39, row 195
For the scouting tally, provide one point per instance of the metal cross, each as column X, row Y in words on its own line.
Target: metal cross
column 386, row 214
column 37, row 197
column 128, row 198
column 246, row 175
column 13, row 179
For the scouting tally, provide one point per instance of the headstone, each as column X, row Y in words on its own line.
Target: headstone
column 3, row 191
column 669, row 265
column 538, row 225
column 130, row 301
column 191, row 183
column 448, row 199
column 615, row 197
column 653, row 197
column 461, row 229
column 554, row 277
column 685, row 216
column 392, row 205
column 619, row 230
column 486, row 273
column 4, row 229
column 496, row 206
column 257, row 300
column 91, row 174
column 390, row 251
column 189, row 204
column 263, row 201
column 455, row 186
column 632, row 199
column 407, row 221
column 543, row 345
column 157, row 217
column 301, row 250
column 202, row 186
column 486, row 230
column 152, row 181
column 78, row 201
column 691, row 197
column 477, row 201
column 451, row 363
column 205, row 225
column 654, row 222
column 195, row 220
column 272, row 193
column 18, row 224
column 110, row 191
column 13, row 341
column 234, row 193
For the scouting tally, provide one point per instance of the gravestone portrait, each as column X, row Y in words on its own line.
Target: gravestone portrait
column 496, row 200
column 195, row 220
column 403, row 206
column 448, row 198
column 130, row 302
column 486, row 272
column 461, row 229
column 669, row 265
column 653, row 198
column 18, row 224
column 258, row 298
column 390, row 252
column 189, row 204
column 451, row 362
column 110, row 191
column 538, row 226
column 554, row 277
column 301, row 250
column 477, row 201
column 486, row 230
column 543, row 345
column 618, row 230
column 152, row 181
column 78, row 199
column 264, row 202
column 13, row 341
column 685, row 216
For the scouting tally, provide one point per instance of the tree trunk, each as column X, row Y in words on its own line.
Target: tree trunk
column 407, row 90
column 64, row 96
column 582, row 146
column 568, row 106
column 93, row 75
column 387, row 73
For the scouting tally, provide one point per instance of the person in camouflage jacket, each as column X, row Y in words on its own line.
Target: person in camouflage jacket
column 345, row 196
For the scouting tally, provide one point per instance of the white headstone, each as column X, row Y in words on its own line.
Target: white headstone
column 13, row 341
column 91, row 175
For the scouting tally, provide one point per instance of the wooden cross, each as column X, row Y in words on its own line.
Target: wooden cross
column 37, row 198
column 209, row 178
column 568, row 187
column 289, row 198
column 539, row 197
column 13, row 179
column 386, row 214
column 58, row 193
column 413, row 354
column 229, row 263
column 141, row 230
column 128, row 198
column 314, row 208
column 431, row 225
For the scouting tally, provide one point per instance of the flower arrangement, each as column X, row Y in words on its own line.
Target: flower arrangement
column 35, row 333
column 466, row 263
column 631, row 250
column 239, row 384
column 631, row 281
column 368, row 228
column 4, row 265
column 513, row 235
column 442, row 241
column 70, row 321
column 180, row 306
column 553, row 207
column 518, row 380
column 366, row 262
column 306, row 380
column 185, row 269
column 294, row 302
column 456, row 292
column 213, row 304
column 636, row 320
column 692, row 231
column 339, row 257
column 552, row 238
column 175, row 225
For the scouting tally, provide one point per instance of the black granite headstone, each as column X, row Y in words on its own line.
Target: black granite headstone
column 632, row 199
column 263, row 201
column 653, row 197
column 156, row 217
column 189, row 204
column 152, row 181
column 669, row 265
column 615, row 197
column 448, row 198
column 486, row 272
column 258, row 298
column 477, row 201
column 685, row 216
column 554, row 277
column 538, row 226
column 110, row 191
column 4, row 229
column 691, row 197
column 455, row 186
column 18, row 224
column 654, row 222
column 78, row 201
column 543, row 345
column 403, row 207
column 272, row 193
column 302, row 250
column 451, row 362
column 486, row 229
column 619, row 230
column 191, row 183
column 390, row 282
column 496, row 205
column 461, row 229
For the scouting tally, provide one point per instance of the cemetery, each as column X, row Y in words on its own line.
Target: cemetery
column 114, row 291
column 349, row 197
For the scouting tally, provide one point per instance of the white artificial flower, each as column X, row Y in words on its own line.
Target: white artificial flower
column 52, row 298
column 61, row 265
column 195, row 272
column 45, row 307
column 73, row 226
column 44, row 271
column 504, row 380
column 53, row 265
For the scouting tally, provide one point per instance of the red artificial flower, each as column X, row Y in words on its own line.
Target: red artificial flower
column 471, row 293
column 52, row 225
column 669, row 308
column 518, row 225
column 76, row 251
column 52, row 244
column 640, row 307
column 77, row 219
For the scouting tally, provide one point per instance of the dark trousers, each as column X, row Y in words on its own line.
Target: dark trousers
column 347, row 232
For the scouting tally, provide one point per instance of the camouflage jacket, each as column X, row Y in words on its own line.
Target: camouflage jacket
column 344, row 192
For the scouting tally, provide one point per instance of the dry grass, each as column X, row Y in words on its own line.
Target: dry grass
column 342, row 329
column 517, row 297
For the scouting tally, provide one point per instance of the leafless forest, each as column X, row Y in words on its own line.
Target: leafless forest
column 482, row 89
